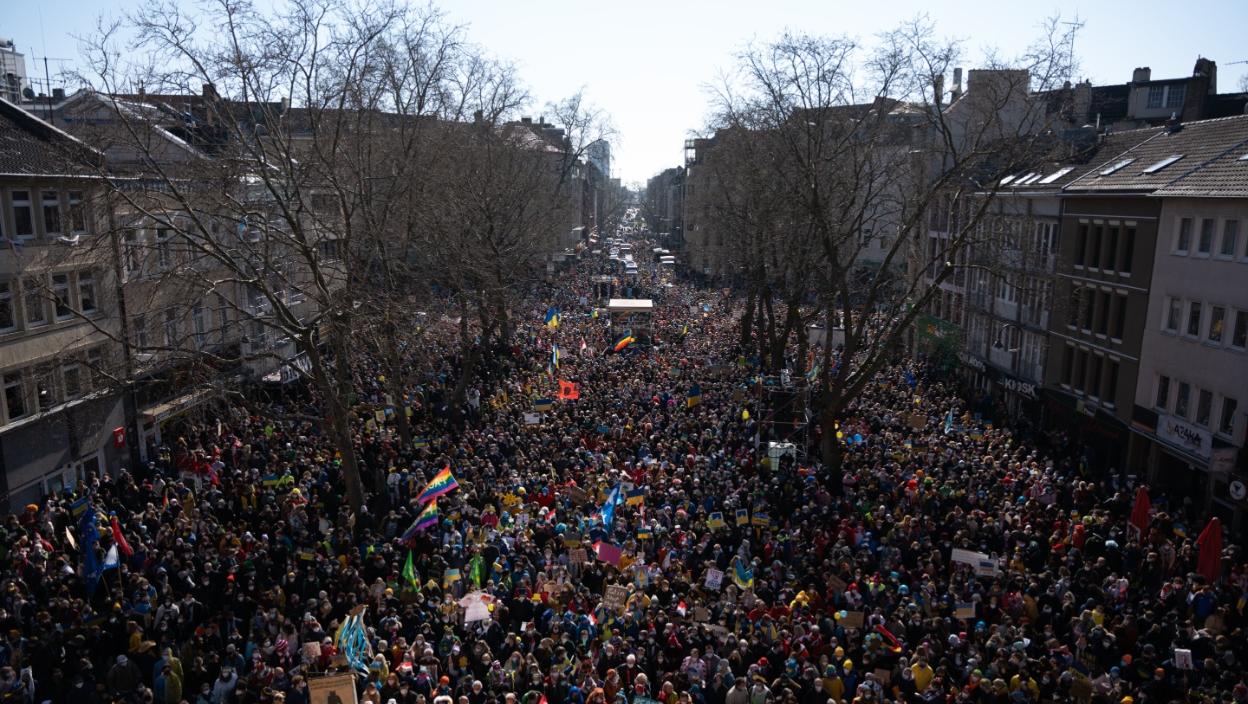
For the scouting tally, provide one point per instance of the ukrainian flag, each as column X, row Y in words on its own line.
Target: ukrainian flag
column 635, row 497
column 741, row 575
column 552, row 318
column 420, row 443
column 716, row 521
column 761, row 519
column 695, row 396
column 743, row 516
column 644, row 534
column 271, row 480
column 543, row 404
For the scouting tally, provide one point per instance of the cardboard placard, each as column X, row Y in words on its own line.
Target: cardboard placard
column 332, row 689
column 884, row 676
column 836, row 584
column 532, row 418
column 1183, row 659
column 701, row 614
column 853, row 619
column 578, row 556
column 964, row 609
column 578, row 495
column 616, row 597
column 918, row 421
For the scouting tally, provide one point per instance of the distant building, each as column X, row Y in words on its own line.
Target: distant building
column 12, row 71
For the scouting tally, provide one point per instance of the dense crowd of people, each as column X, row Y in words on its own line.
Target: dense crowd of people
column 719, row 576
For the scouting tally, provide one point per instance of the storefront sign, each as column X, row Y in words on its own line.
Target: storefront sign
column 1026, row 389
column 1188, row 437
column 973, row 362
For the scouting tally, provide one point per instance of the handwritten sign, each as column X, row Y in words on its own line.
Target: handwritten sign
column 578, row 556
column 714, row 578
column 616, row 597
column 853, row 619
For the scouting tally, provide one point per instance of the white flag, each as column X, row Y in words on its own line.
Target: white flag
column 111, row 560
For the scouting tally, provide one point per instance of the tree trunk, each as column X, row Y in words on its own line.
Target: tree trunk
column 832, row 453
column 394, row 382
column 747, row 318
column 339, row 420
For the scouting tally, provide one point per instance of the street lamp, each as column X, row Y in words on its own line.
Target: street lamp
column 997, row 344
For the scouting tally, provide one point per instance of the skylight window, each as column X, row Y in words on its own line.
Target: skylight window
column 1030, row 179
column 1244, row 157
column 1009, row 178
column 1116, row 166
column 1163, row 163
column 1057, row 174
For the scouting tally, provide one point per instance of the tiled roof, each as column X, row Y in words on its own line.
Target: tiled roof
column 1141, row 168
column 1223, row 177
column 31, row 147
column 1079, row 155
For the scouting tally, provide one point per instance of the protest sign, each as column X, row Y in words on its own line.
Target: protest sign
column 964, row 609
column 578, row 556
column 714, row 578
column 853, row 619
column 616, row 597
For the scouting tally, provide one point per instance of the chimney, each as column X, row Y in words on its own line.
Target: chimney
column 58, row 93
column 938, row 88
column 1174, row 124
column 957, row 84
column 1209, row 70
column 1141, row 75
column 210, row 91
column 285, row 105
column 526, row 120
column 478, row 116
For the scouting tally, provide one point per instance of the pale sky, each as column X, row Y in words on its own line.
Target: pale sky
column 647, row 62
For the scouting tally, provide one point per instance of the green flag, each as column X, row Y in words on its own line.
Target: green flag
column 476, row 570
column 409, row 572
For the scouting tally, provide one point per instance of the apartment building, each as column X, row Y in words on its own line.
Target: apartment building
column 61, row 415
column 1191, row 395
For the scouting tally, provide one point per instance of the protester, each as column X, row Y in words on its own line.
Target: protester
column 742, row 580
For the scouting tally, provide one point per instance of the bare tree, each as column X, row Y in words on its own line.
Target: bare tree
column 858, row 176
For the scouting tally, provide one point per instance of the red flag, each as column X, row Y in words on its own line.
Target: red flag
column 1139, row 512
column 1209, row 561
column 569, row 391
column 120, row 539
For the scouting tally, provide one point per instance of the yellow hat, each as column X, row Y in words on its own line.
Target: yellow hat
column 848, row 665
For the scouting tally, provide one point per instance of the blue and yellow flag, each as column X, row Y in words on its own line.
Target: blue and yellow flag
column 716, row 521
column 743, row 516
column 761, row 520
column 695, row 396
column 554, row 359
column 635, row 497
column 552, row 318
column 543, row 404
column 742, row 575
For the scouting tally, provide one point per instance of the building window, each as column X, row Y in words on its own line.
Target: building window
column 1109, row 260
column 1180, row 403
column 1217, row 321
column 77, row 213
column 45, row 387
column 1094, row 247
column 1183, row 239
column 1094, row 375
column 1089, row 305
column 1230, row 238
column 201, row 327
column 1204, row 406
column 1226, row 424
column 95, row 364
column 1163, row 392
column 60, row 297
column 1102, row 317
column 71, row 379
column 164, row 249
column 1128, row 250
column 1081, row 243
column 130, row 252
column 1174, row 312
column 1239, row 338
column 8, row 321
column 32, row 300
column 223, row 322
column 1193, row 319
column 23, row 217
column 1175, row 94
column 171, row 329
column 51, row 213
column 86, row 292
column 1156, row 97
column 1076, row 375
column 14, row 396
column 1110, row 395
column 1120, row 317
column 1075, row 306
column 140, row 332
column 1068, row 363
column 1205, row 244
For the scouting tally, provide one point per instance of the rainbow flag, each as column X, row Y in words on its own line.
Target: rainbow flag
column 625, row 341
column 427, row 519
column 552, row 318
column 443, row 483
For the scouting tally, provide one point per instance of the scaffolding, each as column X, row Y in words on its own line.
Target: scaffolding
column 784, row 413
